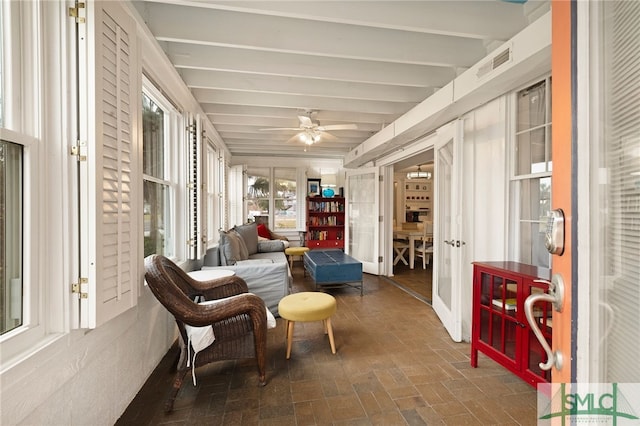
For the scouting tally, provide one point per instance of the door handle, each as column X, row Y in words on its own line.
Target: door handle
column 450, row 242
column 555, row 296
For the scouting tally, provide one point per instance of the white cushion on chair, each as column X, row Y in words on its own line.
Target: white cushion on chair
column 428, row 247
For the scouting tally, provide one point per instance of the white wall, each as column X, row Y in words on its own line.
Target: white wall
column 89, row 376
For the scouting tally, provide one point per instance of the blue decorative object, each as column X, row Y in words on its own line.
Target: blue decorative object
column 328, row 193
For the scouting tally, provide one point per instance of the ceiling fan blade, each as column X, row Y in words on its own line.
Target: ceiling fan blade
column 294, row 138
column 326, row 136
column 338, row 127
column 279, row 128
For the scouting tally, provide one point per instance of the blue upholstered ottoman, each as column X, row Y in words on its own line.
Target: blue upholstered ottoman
column 333, row 268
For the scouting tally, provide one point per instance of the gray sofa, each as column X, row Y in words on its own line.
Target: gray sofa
column 262, row 264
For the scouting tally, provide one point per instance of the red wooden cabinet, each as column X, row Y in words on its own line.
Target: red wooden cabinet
column 325, row 222
column 500, row 329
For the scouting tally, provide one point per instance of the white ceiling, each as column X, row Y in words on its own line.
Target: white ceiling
column 256, row 65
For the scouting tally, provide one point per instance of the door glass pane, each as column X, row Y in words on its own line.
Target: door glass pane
column 444, row 171
column 11, row 211
column 615, row 195
column 363, row 216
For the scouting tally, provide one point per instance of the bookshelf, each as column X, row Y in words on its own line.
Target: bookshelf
column 325, row 222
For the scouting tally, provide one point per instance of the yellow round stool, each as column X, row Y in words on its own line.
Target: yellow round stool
column 295, row 251
column 307, row 306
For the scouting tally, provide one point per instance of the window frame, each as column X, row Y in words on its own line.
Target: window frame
column 32, row 328
column 272, row 197
column 214, row 172
column 173, row 176
column 275, row 197
column 45, row 213
column 222, row 172
column 269, row 198
column 517, row 180
column 11, row 227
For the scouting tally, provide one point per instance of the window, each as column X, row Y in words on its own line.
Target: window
column 275, row 188
column 11, row 211
column 531, row 181
column 223, row 199
column 11, row 215
column 258, row 194
column 157, row 127
column 26, row 318
column 215, row 179
column 285, row 211
column 211, row 190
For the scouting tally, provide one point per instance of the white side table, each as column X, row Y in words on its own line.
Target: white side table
column 210, row 274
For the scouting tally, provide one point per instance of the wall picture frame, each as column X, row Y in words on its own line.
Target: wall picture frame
column 313, row 187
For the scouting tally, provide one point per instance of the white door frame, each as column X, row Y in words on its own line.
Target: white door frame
column 451, row 240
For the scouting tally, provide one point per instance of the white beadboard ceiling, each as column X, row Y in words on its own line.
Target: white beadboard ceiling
column 254, row 65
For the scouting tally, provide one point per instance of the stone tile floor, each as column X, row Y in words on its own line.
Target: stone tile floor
column 395, row 365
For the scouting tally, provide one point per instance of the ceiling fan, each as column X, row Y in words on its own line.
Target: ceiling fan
column 310, row 131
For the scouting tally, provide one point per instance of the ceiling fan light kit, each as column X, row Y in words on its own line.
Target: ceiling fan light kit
column 310, row 131
column 309, row 137
column 419, row 174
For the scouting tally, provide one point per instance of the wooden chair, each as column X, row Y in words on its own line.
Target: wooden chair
column 424, row 247
column 400, row 247
column 238, row 317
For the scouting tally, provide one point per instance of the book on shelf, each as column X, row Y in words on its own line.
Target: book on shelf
column 509, row 304
column 548, row 322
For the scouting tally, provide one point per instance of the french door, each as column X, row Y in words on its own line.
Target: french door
column 448, row 242
column 363, row 226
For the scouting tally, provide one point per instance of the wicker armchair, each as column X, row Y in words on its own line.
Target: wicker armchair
column 238, row 318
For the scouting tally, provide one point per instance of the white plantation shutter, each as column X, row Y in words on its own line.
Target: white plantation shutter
column 194, row 137
column 235, row 183
column 209, row 191
column 110, row 99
